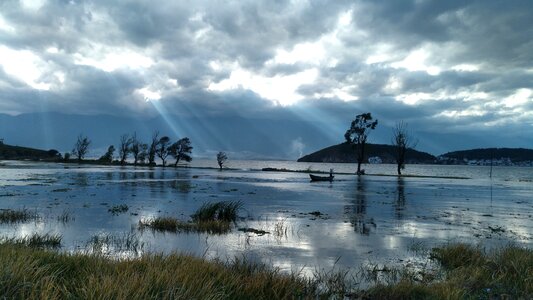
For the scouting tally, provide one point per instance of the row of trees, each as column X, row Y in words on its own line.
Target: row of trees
column 361, row 127
column 142, row 153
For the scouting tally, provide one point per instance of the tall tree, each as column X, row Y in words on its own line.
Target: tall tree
column 181, row 150
column 221, row 159
column 136, row 148
column 108, row 156
column 124, row 148
column 153, row 148
column 81, row 147
column 143, row 153
column 402, row 140
column 162, row 149
column 357, row 135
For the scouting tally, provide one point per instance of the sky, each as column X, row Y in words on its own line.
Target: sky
column 289, row 73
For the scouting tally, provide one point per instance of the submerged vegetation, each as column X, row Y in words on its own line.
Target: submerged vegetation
column 14, row 216
column 461, row 272
column 118, row 209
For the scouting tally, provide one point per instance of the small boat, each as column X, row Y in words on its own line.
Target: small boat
column 321, row 178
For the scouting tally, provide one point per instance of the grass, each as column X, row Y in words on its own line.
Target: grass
column 65, row 217
column 108, row 244
column 212, row 218
column 118, row 209
column 174, row 225
column 15, row 216
column 222, row 211
column 462, row 272
column 27, row 273
column 466, row 272
column 36, row 241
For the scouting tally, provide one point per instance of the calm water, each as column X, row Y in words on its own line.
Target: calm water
column 367, row 219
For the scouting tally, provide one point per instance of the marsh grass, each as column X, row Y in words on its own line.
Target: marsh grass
column 36, row 240
column 65, row 217
column 15, row 216
column 171, row 224
column 221, row 211
column 463, row 272
column 108, row 244
column 466, row 271
column 27, row 273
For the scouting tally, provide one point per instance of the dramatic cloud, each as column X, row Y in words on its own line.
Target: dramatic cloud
column 448, row 68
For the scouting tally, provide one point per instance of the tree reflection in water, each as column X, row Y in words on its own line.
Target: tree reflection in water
column 399, row 204
column 356, row 210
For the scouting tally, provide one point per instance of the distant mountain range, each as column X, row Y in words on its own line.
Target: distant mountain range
column 345, row 153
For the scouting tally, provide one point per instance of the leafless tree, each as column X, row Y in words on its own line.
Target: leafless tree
column 137, row 148
column 124, row 148
column 402, row 140
column 81, row 147
column 357, row 135
column 153, row 148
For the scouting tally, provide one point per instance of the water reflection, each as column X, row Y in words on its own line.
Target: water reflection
column 399, row 204
column 357, row 208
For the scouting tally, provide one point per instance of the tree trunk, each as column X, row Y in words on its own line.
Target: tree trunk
column 399, row 168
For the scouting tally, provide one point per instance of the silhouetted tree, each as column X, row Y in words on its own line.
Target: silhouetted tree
column 357, row 135
column 124, row 148
column 153, row 148
column 66, row 156
column 221, row 159
column 81, row 147
column 136, row 148
column 108, row 156
column 143, row 153
column 402, row 140
column 162, row 149
column 181, row 150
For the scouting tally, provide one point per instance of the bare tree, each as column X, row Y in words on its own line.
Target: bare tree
column 221, row 159
column 143, row 153
column 162, row 149
column 153, row 148
column 402, row 140
column 136, row 148
column 108, row 156
column 124, row 148
column 81, row 147
column 181, row 150
column 357, row 135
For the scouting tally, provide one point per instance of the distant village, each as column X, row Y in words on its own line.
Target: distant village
column 502, row 161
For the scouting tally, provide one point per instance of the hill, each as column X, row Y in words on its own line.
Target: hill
column 16, row 152
column 506, row 156
column 345, row 153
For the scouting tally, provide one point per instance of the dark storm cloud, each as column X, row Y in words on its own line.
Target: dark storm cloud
column 481, row 49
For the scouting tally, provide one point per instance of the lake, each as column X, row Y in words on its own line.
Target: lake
column 346, row 223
